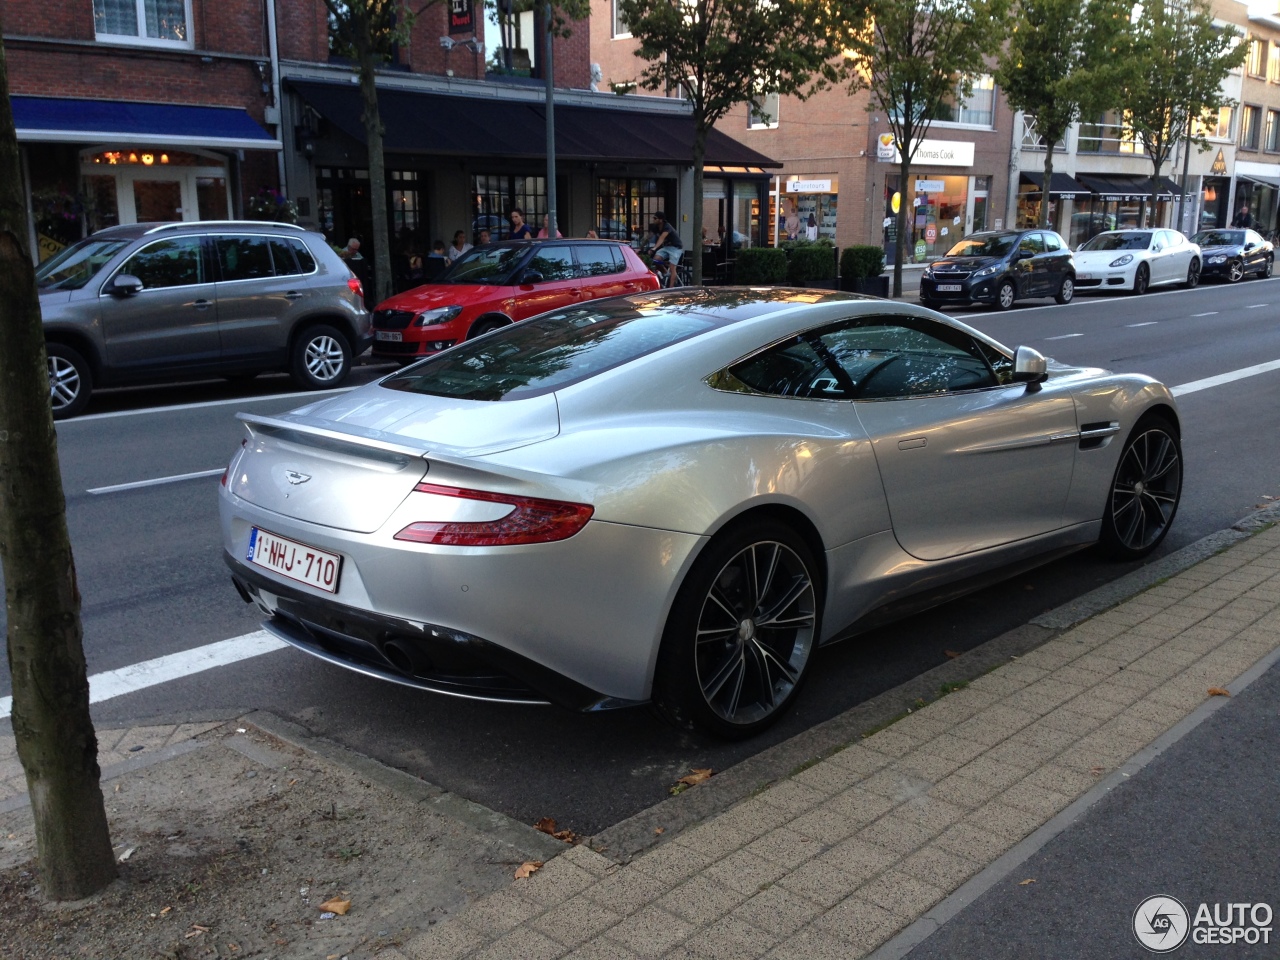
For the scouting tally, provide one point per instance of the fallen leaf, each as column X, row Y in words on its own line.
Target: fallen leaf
column 127, row 854
column 1218, row 692
column 1026, row 881
column 282, row 943
column 340, row 907
column 696, row 777
column 528, row 869
column 659, row 830
column 196, row 930
column 952, row 653
column 165, row 910
column 547, row 825
column 1097, row 771
column 233, row 947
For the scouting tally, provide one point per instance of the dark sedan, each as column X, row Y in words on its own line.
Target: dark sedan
column 1001, row 267
column 1233, row 254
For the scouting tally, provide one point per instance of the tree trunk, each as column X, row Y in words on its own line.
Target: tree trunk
column 1155, row 191
column 1048, row 186
column 55, row 737
column 699, row 154
column 904, row 205
column 381, row 238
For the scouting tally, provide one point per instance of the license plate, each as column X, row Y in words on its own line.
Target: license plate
column 395, row 336
column 1083, row 276
column 950, row 287
column 295, row 560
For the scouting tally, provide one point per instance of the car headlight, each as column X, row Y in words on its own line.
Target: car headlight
column 439, row 315
column 1218, row 258
column 1121, row 261
column 986, row 272
column 928, row 271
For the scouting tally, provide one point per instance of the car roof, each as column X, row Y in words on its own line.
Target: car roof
column 132, row 231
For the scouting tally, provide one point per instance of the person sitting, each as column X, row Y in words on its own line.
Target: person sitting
column 546, row 222
column 458, row 247
column 436, row 262
column 592, row 235
column 482, row 238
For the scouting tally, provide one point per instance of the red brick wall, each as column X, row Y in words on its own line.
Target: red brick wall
column 302, row 29
column 425, row 55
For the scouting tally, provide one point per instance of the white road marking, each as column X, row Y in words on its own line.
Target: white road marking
column 197, row 406
column 1255, row 306
column 139, row 676
column 1211, row 313
column 1148, row 323
column 157, row 481
column 1197, row 385
column 1065, row 336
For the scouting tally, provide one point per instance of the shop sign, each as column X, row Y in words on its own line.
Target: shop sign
column 462, row 16
column 921, row 251
column 808, row 186
column 931, row 186
column 48, row 247
column 1219, row 164
column 931, row 233
column 941, row 153
column 886, row 149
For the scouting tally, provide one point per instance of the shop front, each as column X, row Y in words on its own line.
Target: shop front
column 1258, row 185
column 804, row 207
column 1215, row 202
column 944, row 208
column 1063, row 194
column 1119, row 202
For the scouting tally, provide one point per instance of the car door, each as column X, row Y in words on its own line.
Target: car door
column 1255, row 252
column 1058, row 259
column 603, row 272
column 551, row 281
column 1029, row 267
column 261, row 290
column 968, row 459
column 172, row 322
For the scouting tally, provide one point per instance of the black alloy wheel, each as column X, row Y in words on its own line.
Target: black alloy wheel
column 1144, row 494
column 1193, row 274
column 742, row 633
column 1141, row 280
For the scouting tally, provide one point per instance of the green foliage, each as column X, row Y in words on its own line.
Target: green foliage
column 862, row 260
column 760, row 265
column 375, row 26
column 811, row 261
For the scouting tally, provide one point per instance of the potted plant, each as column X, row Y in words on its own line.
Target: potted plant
column 862, row 270
column 811, row 263
column 757, row 266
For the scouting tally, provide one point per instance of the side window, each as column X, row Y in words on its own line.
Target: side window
column 243, row 258
column 1032, row 243
column 888, row 358
column 167, row 263
column 1051, row 242
column 599, row 260
column 791, row 369
column 282, row 258
column 554, row 262
column 305, row 260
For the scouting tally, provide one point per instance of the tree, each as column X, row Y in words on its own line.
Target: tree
column 723, row 53
column 914, row 56
column 1180, row 59
column 1065, row 59
column 51, row 723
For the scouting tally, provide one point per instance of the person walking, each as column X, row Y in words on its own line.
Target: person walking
column 1243, row 218
column 519, row 229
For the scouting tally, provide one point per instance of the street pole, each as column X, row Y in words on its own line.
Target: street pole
column 1186, row 165
column 549, row 72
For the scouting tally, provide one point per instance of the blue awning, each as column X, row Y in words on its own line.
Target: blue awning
column 59, row 120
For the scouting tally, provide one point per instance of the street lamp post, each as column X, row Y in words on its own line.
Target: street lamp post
column 549, row 72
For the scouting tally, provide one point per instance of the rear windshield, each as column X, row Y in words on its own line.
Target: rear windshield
column 492, row 265
column 549, row 352
column 75, row 266
column 1119, row 241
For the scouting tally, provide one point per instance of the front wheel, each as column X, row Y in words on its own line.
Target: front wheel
column 741, row 635
column 1141, row 280
column 1235, row 271
column 1006, row 295
column 1067, row 290
column 320, row 358
column 1193, row 274
column 1145, row 490
column 70, row 380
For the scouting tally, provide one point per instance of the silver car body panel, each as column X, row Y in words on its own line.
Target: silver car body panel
column 666, row 461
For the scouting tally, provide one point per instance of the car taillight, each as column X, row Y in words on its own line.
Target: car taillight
column 532, row 521
column 354, row 285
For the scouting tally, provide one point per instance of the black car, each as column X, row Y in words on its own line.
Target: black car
column 1233, row 253
column 1000, row 267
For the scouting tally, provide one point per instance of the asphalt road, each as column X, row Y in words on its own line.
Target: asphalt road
column 153, row 581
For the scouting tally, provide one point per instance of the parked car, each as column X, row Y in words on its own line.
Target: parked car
column 1137, row 259
column 492, row 286
column 1000, row 267
column 679, row 496
column 1232, row 254
column 147, row 302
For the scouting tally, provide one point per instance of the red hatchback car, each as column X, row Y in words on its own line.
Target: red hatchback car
column 498, row 284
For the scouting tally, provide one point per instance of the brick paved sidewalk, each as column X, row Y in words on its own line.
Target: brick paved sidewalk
column 834, row 860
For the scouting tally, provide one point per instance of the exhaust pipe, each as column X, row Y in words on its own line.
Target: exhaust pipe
column 405, row 658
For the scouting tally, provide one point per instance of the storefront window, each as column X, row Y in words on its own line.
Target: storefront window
column 211, row 194
column 493, row 196
column 938, row 213
column 624, row 206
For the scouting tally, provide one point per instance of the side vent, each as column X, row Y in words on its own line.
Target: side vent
column 1094, row 436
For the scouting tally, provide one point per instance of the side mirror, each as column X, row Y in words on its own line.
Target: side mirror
column 1029, row 366
column 124, row 285
column 1022, row 255
column 531, row 276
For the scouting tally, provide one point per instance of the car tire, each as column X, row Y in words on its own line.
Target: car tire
column 1145, row 490
column 320, row 358
column 481, row 327
column 1141, row 280
column 1267, row 268
column 1235, row 271
column 1067, row 291
column 1193, row 275
column 1006, row 295
column 70, row 381
column 721, row 669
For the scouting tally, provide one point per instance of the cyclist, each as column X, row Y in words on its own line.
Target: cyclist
column 667, row 245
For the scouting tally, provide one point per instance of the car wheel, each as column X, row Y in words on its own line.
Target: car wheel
column 1145, row 491
column 1141, row 280
column 1267, row 268
column 1006, row 295
column 1067, row 290
column 321, row 358
column 70, row 381
column 741, row 635
column 1235, row 271
column 1193, row 274
column 482, row 327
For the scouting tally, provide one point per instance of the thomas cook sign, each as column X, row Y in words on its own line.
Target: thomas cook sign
column 936, row 153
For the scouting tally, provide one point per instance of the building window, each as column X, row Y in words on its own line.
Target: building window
column 1218, row 126
column 975, row 109
column 1273, row 63
column 1031, row 138
column 764, row 116
column 1257, row 62
column 624, row 207
column 1272, row 140
column 1107, row 135
column 1250, row 126
column 620, row 28
column 148, row 21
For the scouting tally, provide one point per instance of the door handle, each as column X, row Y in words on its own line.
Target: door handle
column 202, row 304
column 915, row 443
column 293, row 295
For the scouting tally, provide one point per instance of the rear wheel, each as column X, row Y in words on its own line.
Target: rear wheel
column 70, row 381
column 741, row 635
column 1141, row 280
column 1193, row 274
column 1006, row 295
column 1267, row 268
column 1067, row 290
column 1145, row 491
column 321, row 358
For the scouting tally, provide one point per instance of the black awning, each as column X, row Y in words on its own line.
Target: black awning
column 418, row 121
column 1255, row 178
column 1064, row 185
column 1121, row 187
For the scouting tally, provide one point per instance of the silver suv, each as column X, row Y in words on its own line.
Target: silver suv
column 149, row 302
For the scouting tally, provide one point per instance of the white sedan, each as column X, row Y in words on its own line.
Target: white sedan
column 1137, row 259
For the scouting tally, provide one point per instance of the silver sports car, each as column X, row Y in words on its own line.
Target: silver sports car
column 679, row 496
